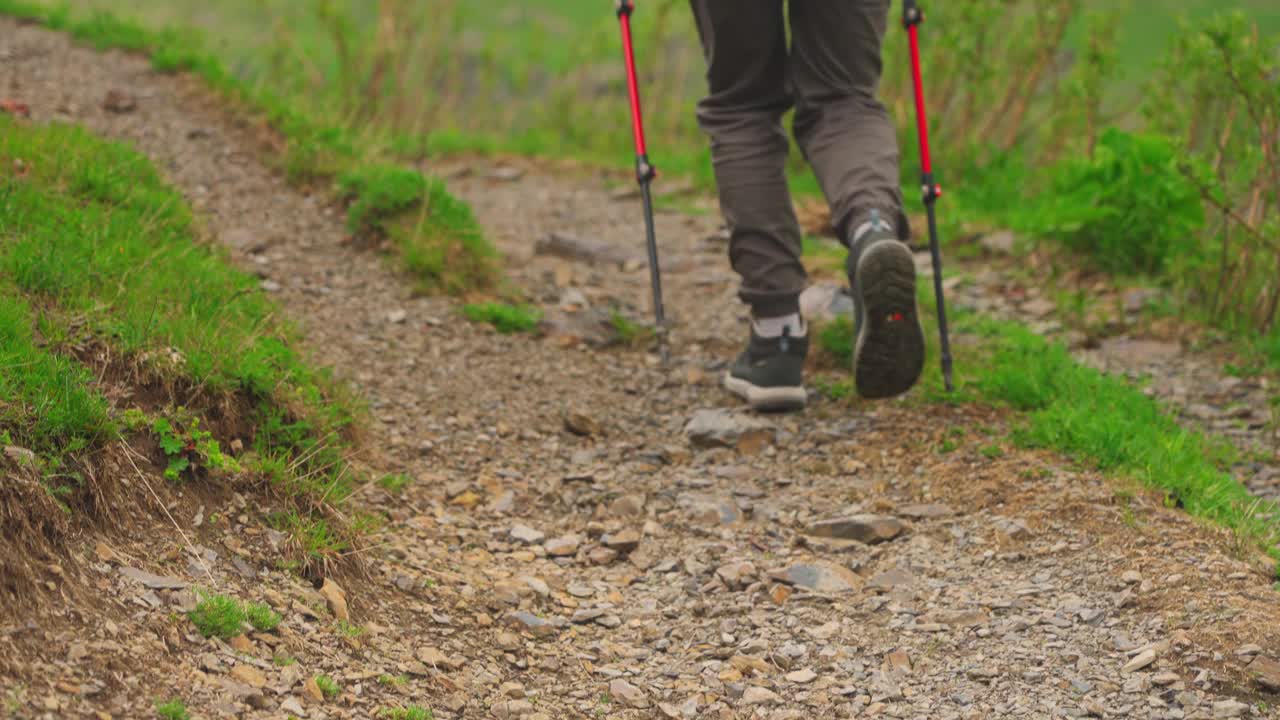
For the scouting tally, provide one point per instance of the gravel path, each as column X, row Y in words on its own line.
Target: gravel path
column 572, row 550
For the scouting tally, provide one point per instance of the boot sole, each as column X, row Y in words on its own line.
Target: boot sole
column 767, row 399
column 889, row 355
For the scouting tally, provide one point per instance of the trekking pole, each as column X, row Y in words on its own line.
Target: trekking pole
column 911, row 19
column 645, row 173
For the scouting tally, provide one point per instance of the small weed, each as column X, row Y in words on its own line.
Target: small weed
column 261, row 617
column 395, row 483
column 225, row 617
column 190, row 448
column 284, row 660
column 947, row 446
column 413, row 712
column 218, row 616
column 327, row 686
column 348, row 630
column 507, row 319
column 835, row 388
column 393, row 680
column 173, row 709
column 629, row 332
column 992, row 452
column 134, row 419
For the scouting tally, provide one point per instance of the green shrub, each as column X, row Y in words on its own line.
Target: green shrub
column 327, row 685
column 378, row 193
column 174, row 709
column 218, row 616
column 1128, row 207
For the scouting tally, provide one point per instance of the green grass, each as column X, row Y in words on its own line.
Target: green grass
column 173, row 709
column 413, row 712
column 506, row 319
column 327, row 686
column 395, row 483
column 96, row 249
column 225, row 617
column 1099, row 420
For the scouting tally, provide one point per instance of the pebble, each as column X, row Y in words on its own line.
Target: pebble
column 623, row 542
column 1140, row 661
column 564, row 546
column 537, row 626
column 802, row 677
column 336, row 599
column 819, row 576
column 722, row 428
column 1265, row 673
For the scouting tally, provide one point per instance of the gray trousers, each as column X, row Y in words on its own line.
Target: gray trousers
column 830, row 75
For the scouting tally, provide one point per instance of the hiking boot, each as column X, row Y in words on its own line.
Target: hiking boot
column 888, row 356
column 769, row 373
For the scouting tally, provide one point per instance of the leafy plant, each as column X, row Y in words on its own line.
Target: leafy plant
column 188, row 447
column 1128, row 207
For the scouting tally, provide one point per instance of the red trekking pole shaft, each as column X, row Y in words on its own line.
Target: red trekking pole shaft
column 911, row 20
column 645, row 173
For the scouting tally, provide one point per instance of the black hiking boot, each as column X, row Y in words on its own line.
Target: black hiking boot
column 769, row 373
column 888, row 356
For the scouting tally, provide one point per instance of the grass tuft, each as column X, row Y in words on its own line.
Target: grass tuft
column 173, row 709
column 413, row 712
column 327, row 686
column 507, row 319
column 225, row 617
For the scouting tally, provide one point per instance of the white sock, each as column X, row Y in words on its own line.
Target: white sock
column 773, row 327
column 875, row 222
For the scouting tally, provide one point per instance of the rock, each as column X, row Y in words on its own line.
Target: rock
column 249, row 675
column 737, row 575
column 1266, row 673
column 567, row 247
column 1164, row 679
column 434, row 658
column 20, row 455
column 513, row 690
column 891, row 580
column 511, row 709
column 1010, row 528
column 538, row 585
column 819, row 576
column 1229, row 709
column 756, row 695
column 152, row 582
column 585, row 615
column 1139, row 661
column 623, row 542
column 336, row 598
column 721, row 428
column 1131, row 577
column 999, row 243
column 573, row 300
column 711, row 511
column 240, row 643
column 1039, row 307
column 581, row 424
column 627, row 693
column 395, row 317
column 580, row 590
column 602, row 555
column 526, row 535
column 628, row 506
column 592, row 327
column 899, row 662
column 565, row 546
column 926, row 511
column 803, row 677
column 868, row 529
column 312, row 691
column 533, row 624
column 293, row 707
column 1249, row 650
column 119, row 102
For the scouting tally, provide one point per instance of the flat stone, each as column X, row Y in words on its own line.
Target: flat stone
column 722, row 428
column 865, row 528
column 535, row 625
column 1265, row 673
column 926, row 511
column 249, row 675
column 624, row 542
column 819, row 576
column 756, row 695
column 737, row 575
column 153, row 582
column 1139, row 661
column 565, row 546
column 581, row 424
column 1229, row 709
column 802, row 677
column 527, row 535
column 1010, row 528
column 568, row 247
column 434, row 658
column 891, row 580
column 999, row 243
column 629, row 694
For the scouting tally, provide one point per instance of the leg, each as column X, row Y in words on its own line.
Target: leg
column 845, row 132
column 745, row 46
